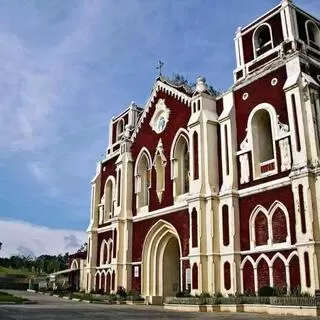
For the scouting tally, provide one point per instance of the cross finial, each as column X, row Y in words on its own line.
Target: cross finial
column 159, row 67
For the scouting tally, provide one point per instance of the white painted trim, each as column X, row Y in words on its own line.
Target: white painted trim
column 265, row 187
column 74, row 265
column 267, row 16
column 160, row 212
column 269, row 215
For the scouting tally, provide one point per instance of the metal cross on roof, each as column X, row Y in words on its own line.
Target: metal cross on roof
column 159, row 67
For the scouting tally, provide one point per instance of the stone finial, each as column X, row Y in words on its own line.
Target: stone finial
column 201, row 85
column 284, row 2
column 132, row 104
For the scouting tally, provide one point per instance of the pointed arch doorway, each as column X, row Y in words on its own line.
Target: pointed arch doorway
column 161, row 266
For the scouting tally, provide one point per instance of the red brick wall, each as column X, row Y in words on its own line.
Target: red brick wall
column 261, row 229
column 179, row 219
column 279, row 274
column 294, row 269
column 279, row 226
column 179, row 117
column 248, row 277
column 263, row 274
column 266, row 199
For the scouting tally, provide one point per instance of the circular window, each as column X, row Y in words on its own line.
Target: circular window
column 245, row 96
column 161, row 123
column 274, row 81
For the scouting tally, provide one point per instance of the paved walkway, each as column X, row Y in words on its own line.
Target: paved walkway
column 52, row 308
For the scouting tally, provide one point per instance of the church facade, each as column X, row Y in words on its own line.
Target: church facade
column 219, row 193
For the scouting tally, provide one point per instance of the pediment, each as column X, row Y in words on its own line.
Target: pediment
column 171, row 91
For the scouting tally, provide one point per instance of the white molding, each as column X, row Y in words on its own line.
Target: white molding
column 160, row 111
column 260, row 188
column 158, row 213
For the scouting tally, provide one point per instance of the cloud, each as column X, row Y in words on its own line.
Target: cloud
column 19, row 237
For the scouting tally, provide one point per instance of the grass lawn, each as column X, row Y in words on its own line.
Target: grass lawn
column 11, row 271
column 6, row 297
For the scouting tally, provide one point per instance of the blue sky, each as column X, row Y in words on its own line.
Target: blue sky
column 66, row 67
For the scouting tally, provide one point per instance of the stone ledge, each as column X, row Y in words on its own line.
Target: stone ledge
column 313, row 311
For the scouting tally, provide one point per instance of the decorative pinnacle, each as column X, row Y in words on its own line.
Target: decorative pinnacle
column 201, row 85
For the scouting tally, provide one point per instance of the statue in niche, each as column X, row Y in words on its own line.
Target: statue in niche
column 244, row 168
column 285, row 154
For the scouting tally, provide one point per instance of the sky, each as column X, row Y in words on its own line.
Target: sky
column 67, row 67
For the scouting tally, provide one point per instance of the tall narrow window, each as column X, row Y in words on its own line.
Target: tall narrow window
column 185, row 169
column 195, row 276
column 181, row 166
column 225, row 225
column 227, row 276
column 226, row 148
column 307, row 269
column 302, row 211
column 195, row 156
column 114, row 243
column 119, row 188
column 295, row 119
column 194, row 228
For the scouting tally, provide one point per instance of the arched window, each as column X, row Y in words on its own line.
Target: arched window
column 262, row 40
column 109, row 198
column 120, row 128
column 262, row 143
column 105, row 252
column 181, row 166
column 313, row 35
column 142, row 176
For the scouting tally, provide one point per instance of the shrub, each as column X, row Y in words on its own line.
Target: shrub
column 121, row 292
column 266, row 292
column 183, row 294
column 205, row 295
column 218, row 295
